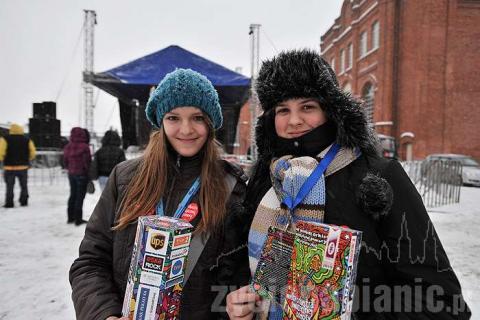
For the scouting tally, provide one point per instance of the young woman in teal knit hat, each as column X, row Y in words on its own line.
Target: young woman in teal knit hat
column 308, row 123
column 180, row 174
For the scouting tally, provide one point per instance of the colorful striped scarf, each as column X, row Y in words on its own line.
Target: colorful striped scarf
column 288, row 175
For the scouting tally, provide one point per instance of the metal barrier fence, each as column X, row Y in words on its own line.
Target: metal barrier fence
column 43, row 177
column 45, row 170
column 439, row 182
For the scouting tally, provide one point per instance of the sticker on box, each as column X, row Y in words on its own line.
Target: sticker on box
column 157, row 242
column 150, row 278
column 331, row 248
column 171, row 283
column 176, row 268
column 182, row 252
column 146, row 303
column 153, row 263
column 181, row 241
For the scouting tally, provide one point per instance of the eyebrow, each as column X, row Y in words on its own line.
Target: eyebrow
column 199, row 113
column 301, row 101
column 308, row 100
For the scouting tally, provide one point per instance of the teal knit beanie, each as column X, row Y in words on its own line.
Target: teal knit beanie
column 184, row 88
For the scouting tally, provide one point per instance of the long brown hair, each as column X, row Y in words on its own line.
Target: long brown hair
column 149, row 184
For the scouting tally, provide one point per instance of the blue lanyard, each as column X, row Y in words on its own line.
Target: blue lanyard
column 184, row 203
column 312, row 179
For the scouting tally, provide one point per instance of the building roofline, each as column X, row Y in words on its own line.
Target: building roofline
column 347, row 30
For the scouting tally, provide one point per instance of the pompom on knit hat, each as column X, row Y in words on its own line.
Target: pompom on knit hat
column 182, row 88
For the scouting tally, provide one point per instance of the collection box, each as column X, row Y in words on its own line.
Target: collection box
column 321, row 279
column 270, row 278
column 156, row 274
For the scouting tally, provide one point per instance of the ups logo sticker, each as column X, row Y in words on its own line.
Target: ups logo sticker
column 157, row 241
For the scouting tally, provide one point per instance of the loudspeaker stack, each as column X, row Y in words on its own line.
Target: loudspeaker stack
column 44, row 126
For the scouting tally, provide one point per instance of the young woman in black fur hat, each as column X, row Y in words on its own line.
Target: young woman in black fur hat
column 307, row 117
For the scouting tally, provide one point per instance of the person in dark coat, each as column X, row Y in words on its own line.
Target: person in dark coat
column 106, row 158
column 403, row 271
column 77, row 159
column 16, row 152
column 185, row 113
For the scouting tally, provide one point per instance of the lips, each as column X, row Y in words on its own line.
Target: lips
column 297, row 133
column 187, row 140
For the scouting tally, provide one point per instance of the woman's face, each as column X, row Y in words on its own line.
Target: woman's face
column 186, row 130
column 296, row 117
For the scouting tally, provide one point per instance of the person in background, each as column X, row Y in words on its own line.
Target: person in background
column 182, row 175
column 106, row 158
column 16, row 152
column 77, row 159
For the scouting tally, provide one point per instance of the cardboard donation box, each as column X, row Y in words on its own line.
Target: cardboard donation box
column 322, row 272
column 155, row 278
column 270, row 278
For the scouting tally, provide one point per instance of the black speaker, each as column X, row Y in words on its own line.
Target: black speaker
column 44, row 126
column 44, row 110
column 37, row 109
column 46, row 141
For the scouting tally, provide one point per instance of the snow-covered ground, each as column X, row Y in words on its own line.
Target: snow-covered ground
column 458, row 226
column 37, row 248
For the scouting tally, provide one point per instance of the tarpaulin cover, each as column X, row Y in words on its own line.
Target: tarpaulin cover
column 131, row 84
column 152, row 68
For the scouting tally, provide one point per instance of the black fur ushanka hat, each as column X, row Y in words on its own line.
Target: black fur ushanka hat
column 304, row 74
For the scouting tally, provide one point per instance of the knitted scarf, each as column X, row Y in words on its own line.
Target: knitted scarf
column 288, row 175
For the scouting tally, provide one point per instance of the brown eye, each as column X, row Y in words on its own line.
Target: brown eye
column 171, row 118
column 309, row 107
column 281, row 111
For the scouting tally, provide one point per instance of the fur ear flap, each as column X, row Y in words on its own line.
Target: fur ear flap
column 374, row 196
column 265, row 135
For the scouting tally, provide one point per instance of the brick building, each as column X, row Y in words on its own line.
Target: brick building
column 416, row 65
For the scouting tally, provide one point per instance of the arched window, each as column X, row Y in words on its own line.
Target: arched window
column 368, row 96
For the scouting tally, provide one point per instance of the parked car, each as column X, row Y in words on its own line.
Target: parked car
column 470, row 168
column 389, row 146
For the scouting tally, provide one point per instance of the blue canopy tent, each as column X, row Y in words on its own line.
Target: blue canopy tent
column 131, row 84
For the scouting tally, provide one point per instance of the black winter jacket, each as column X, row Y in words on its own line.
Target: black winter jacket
column 108, row 156
column 98, row 276
column 104, row 160
column 403, row 271
column 401, row 253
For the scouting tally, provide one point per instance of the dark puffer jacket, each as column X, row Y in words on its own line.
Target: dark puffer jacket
column 98, row 277
column 108, row 156
column 76, row 154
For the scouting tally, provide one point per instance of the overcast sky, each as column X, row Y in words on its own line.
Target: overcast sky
column 42, row 46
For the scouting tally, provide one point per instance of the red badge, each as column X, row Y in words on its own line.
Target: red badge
column 191, row 212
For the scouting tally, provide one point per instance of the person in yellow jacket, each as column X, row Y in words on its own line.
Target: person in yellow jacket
column 16, row 152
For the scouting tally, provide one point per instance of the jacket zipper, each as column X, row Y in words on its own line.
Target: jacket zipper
column 173, row 183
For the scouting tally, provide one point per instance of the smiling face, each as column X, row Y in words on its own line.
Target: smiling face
column 186, row 130
column 296, row 117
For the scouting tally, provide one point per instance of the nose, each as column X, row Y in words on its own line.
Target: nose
column 186, row 127
column 295, row 119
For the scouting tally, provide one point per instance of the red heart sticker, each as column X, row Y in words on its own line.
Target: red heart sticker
column 191, row 212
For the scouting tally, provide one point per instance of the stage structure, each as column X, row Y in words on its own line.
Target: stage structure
column 89, row 31
column 132, row 83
